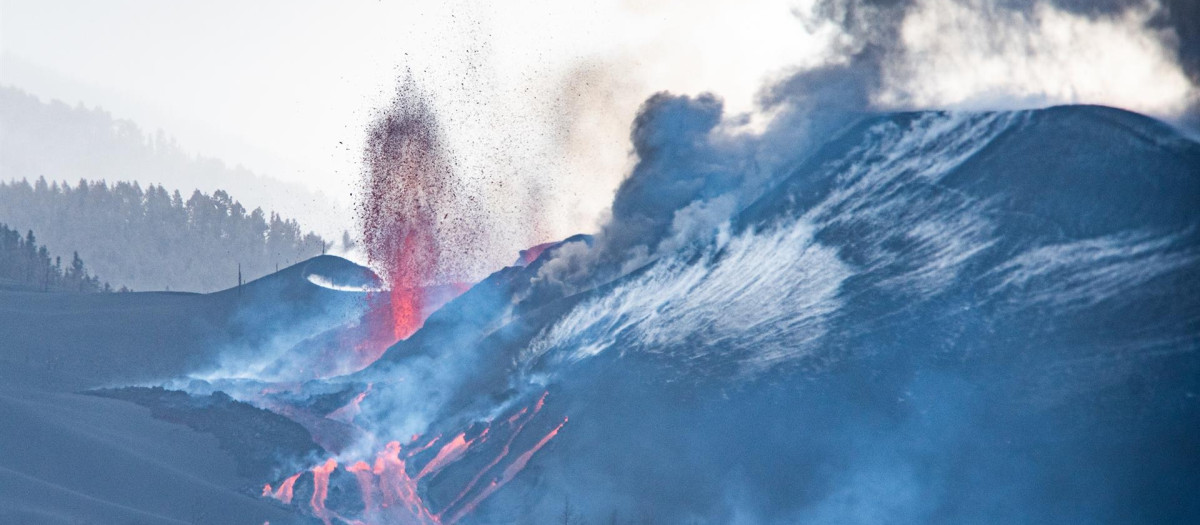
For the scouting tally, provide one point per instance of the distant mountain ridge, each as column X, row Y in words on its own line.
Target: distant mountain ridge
column 64, row 142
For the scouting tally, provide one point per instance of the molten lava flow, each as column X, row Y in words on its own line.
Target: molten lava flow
column 391, row 495
column 523, row 459
column 347, row 413
column 449, row 453
column 284, row 492
column 422, row 448
column 366, row 484
column 507, row 475
column 500, row 457
column 321, row 489
column 398, row 488
column 513, row 418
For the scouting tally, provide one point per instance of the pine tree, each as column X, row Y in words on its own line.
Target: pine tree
column 26, row 264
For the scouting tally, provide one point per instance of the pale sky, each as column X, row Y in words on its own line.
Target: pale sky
column 287, row 88
column 538, row 90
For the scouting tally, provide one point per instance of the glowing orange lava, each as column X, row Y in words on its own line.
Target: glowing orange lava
column 391, row 495
column 500, row 457
column 509, row 473
column 527, row 256
column 422, row 448
column 400, row 498
column 284, row 492
column 449, row 453
column 366, row 484
column 407, row 295
column 346, row 414
column 321, row 489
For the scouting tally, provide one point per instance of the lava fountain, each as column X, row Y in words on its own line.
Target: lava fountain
column 414, row 226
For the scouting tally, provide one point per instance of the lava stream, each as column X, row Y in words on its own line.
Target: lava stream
column 509, row 473
column 366, row 483
column 500, row 457
column 391, row 495
column 450, row 452
column 321, row 489
column 422, row 448
column 398, row 488
column 284, row 492
column 346, row 414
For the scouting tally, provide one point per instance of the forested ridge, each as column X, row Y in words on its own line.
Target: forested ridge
column 68, row 142
column 152, row 239
column 25, row 265
column 141, row 236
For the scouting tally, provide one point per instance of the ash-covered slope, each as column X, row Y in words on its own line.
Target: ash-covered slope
column 82, row 459
column 935, row 317
column 68, row 341
column 72, row 457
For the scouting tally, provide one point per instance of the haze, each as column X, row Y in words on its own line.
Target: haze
column 541, row 92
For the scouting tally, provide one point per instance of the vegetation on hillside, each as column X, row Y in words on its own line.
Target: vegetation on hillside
column 154, row 240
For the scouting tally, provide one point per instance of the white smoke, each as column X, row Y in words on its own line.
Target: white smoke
column 971, row 54
column 763, row 298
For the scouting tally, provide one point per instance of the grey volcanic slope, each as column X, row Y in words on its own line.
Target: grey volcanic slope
column 934, row 318
column 70, row 341
column 72, row 457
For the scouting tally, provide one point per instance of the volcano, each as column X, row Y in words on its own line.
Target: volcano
column 931, row 317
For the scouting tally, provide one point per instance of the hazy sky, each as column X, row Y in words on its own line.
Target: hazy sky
column 538, row 90
column 287, row 88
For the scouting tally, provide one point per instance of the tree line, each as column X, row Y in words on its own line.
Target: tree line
column 69, row 142
column 25, row 265
column 152, row 239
